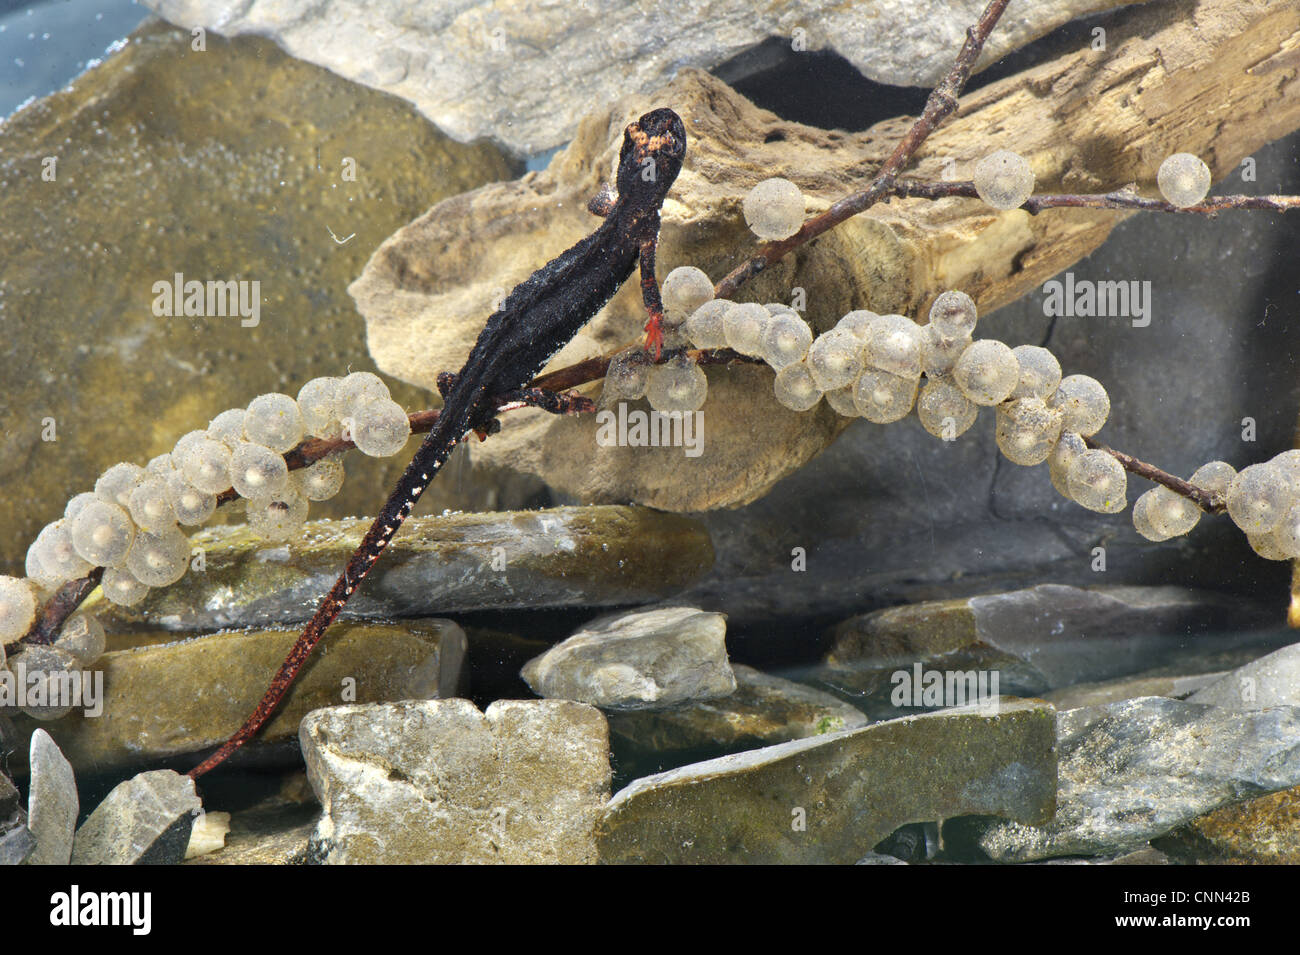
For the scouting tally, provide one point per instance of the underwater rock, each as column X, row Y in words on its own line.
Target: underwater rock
column 441, row 782
column 655, row 657
column 143, row 821
column 175, row 698
column 1263, row 831
column 833, row 798
column 221, row 165
column 561, row 557
column 52, row 802
column 16, row 841
column 1041, row 638
column 1132, row 771
column 426, row 291
column 1129, row 688
column 764, row 710
column 273, row 831
column 524, row 72
column 1272, row 680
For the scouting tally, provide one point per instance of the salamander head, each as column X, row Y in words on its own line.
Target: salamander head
column 651, row 157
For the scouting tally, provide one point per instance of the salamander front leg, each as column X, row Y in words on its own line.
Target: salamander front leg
column 654, row 306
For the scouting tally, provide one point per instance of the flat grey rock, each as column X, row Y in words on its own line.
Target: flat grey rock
column 143, row 821
column 52, row 802
column 655, row 657
column 1272, row 680
column 1132, row 771
column 437, row 781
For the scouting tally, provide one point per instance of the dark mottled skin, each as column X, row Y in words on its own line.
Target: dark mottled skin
column 536, row 320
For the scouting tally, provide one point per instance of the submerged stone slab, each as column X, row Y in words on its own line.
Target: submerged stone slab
column 1041, row 638
column 1272, row 680
column 143, row 821
column 833, row 798
column 764, row 710
column 1131, row 688
column 441, row 782
column 1132, row 771
column 655, row 657
column 52, row 802
column 176, row 698
column 561, row 557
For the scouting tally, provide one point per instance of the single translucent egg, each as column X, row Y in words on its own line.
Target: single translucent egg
column 1004, row 180
column 17, row 608
column 317, row 401
column 358, row 386
column 116, row 484
column 191, row 505
column 149, row 506
column 121, row 587
column 943, row 410
column 1098, row 482
column 939, row 353
column 744, row 326
column 279, row 518
column 322, row 480
column 683, row 291
column 257, row 472
column 705, row 327
column 1214, row 476
column 786, row 340
column 894, row 345
column 228, row 427
column 1258, row 498
column 627, row 374
column 1083, row 402
column 378, row 427
column 987, row 372
column 774, row 209
column 102, row 533
column 206, row 465
column 1184, row 180
column 1062, row 458
column 679, row 384
column 57, row 555
column 953, row 314
column 159, row 559
column 835, row 359
column 272, row 420
column 883, row 397
column 795, row 388
column 1027, row 430
column 1040, row 372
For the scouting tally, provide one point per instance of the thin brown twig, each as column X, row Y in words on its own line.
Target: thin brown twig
column 1119, row 199
column 1208, row 501
column 941, row 103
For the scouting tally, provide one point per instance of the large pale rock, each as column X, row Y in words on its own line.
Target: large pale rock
column 1042, row 638
column 643, row 658
column 832, row 798
column 441, row 782
column 182, row 697
column 143, row 821
column 52, row 802
column 1087, row 121
column 525, row 71
column 1132, row 771
column 225, row 164
column 563, row 557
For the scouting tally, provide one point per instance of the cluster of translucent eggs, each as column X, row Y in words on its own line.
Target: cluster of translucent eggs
column 881, row 367
column 131, row 523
